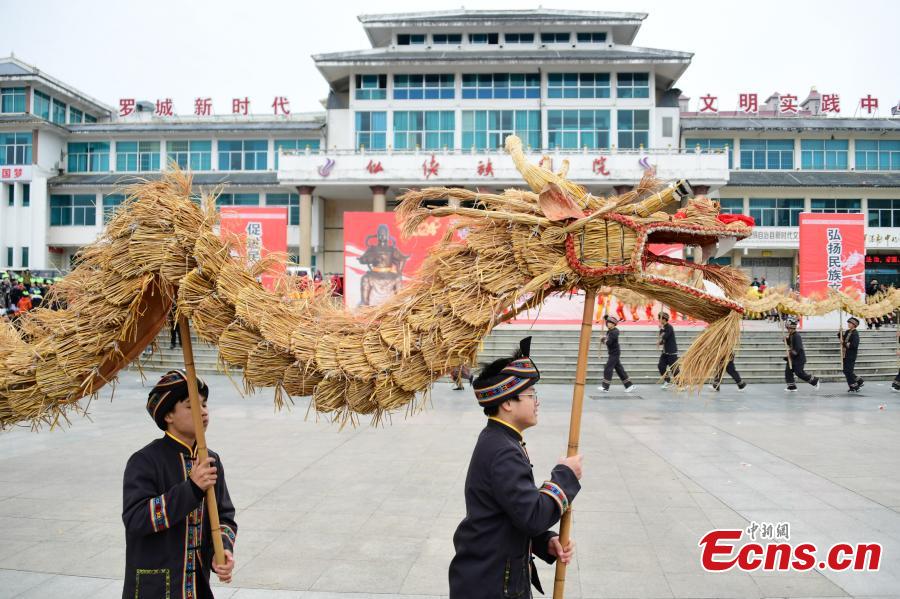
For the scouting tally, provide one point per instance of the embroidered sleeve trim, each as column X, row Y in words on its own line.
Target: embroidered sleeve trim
column 553, row 490
column 158, row 516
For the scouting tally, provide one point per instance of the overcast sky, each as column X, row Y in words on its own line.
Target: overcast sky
column 112, row 49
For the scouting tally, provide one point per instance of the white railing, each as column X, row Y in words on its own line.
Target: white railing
column 363, row 151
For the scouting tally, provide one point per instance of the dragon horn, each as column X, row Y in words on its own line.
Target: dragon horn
column 538, row 177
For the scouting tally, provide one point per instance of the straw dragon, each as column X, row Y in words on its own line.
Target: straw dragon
column 519, row 246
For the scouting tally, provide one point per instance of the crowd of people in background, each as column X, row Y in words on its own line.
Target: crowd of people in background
column 305, row 285
column 21, row 292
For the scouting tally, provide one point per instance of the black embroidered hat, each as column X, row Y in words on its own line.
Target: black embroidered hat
column 505, row 378
column 170, row 389
column 854, row 320
column 611, row 319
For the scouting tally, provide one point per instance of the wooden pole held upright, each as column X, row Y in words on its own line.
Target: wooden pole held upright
column 584, row 348
column 212, row 507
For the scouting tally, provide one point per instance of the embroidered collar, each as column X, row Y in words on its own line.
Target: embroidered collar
column 181, row 445
column 503, row 425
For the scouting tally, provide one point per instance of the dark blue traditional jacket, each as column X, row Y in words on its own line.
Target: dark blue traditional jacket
column 507, row 518
column 168, row 547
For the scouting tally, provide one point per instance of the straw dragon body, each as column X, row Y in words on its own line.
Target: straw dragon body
column 160, row 250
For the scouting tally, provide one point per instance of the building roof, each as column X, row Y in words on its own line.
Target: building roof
column 380, row 26
column 313, row 124
column 12, row 68
column 231, row 179
column 717, row 123
column 813, row 179
column 336, row 66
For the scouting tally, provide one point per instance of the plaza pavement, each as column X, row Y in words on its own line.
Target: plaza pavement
column 369, row 512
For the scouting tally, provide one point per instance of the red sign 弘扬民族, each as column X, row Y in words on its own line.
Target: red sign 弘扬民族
column 832, row 253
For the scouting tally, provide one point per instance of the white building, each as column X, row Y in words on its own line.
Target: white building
column 430, row 104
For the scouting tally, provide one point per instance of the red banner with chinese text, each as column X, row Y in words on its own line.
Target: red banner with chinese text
column 832, row 253
column 256, row 232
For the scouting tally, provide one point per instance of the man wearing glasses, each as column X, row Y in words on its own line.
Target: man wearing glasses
column 507, row 516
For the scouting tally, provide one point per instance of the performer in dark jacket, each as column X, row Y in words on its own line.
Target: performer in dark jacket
column 168, row 544
column 850, row 341
column 797, row 359
column 733, row 373
column 507, row 516
column 668, row 348
column 613, row 362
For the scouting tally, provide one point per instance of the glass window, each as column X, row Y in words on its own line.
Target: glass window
column 408, row 39
column 77, row 210
column 12, row 99
column 15, row 148
column 731, row 205
column 877, row 155
column 578, row 85
column 709, row 146
column 243, row 154
column 59, row 112
column 446, row 38
column 824, row 154
column 371, row 87
column 633, row 85
column 75, row 115
column 9, row 256
column 137, row 156
column 194, row 155
column 773, row 212
column 110, row 203
column 428, row 129
column 771, row 154
column 424, row 87
column 88, row 157
column 501, row 86
column 884, row 213
column 591, row 37
column 634, row 128
column 488, row 129
column 573, row 129
column 89, row 118
column 41, row 106
column 556, row 37
column 841, row 206
column 484, row 38
column 371, row 130
column 237, row 199
column 291, row 200
column 295, row 145
column 26, row 194
column 518, row 38
column 24, row 257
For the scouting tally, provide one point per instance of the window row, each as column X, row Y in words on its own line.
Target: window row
column 81, row 209
column 815, row 154
column 491, row 38
column 487, row 129
column 195, row 155
column 502, row 86
column 780, row 212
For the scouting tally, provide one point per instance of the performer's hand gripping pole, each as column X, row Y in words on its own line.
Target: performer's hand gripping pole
column 212, row 507
column 584, row 348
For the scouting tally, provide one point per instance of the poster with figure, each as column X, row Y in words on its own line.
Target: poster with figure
column 377, row 260
column 832, row 253
column 256, row 232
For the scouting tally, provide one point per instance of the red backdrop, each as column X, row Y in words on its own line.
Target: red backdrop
column 258, row 232
column 360, row 232
column 832, row 252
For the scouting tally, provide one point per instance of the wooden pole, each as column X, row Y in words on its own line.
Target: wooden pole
column 584, row 348
column 212, row 507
